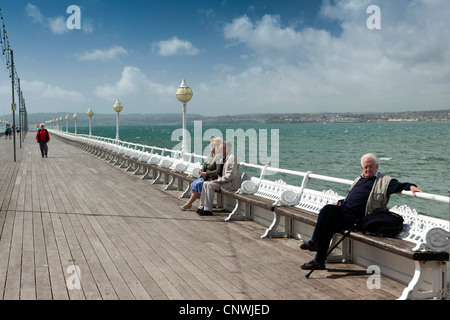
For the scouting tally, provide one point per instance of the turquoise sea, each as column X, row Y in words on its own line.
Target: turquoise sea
column 410, row 152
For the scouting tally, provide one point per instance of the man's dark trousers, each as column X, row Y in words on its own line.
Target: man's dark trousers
column 331, row 219
column 44, row 148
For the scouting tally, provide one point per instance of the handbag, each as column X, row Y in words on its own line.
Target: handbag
column 382, row 223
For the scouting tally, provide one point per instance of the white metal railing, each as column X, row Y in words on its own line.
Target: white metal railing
column 262, row 169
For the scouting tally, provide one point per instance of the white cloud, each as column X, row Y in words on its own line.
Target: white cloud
column 41, row 96
column 34, row 12
column 41, row 91
column 87, row 25
column 133, row 84
column 57, row 25
column 104, row 55
column 405, row 65
column 173, row 47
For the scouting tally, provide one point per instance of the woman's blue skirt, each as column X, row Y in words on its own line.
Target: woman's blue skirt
column 197, row 185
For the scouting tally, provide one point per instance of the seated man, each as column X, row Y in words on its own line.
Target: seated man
column 230, row 179
column 368, row 192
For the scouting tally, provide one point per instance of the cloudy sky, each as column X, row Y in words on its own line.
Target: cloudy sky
column 237, row 56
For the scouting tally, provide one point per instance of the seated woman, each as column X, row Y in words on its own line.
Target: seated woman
column 211, row 169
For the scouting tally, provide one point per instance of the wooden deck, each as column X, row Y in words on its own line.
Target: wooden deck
column 130, row 241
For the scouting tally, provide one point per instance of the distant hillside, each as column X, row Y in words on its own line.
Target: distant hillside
column 147, row 119
column 176, row 118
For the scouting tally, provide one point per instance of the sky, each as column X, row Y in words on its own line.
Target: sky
column 238, row 57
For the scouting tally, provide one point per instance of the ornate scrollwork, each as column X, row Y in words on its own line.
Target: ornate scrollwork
column 144, row 157
column 436, row 239
column 249, row 187
column 166, row 163
column 194, row 172
column 180, row 167
column 289, row 198
column 154, row 159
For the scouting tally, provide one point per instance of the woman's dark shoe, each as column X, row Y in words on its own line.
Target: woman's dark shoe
column 311, row 245
column 313, row 264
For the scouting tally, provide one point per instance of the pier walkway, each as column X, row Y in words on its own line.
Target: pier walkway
column 73, row 212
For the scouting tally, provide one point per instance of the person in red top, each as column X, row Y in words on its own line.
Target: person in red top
column 42, row 137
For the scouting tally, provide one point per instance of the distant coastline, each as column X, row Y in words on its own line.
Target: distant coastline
column 269, row 118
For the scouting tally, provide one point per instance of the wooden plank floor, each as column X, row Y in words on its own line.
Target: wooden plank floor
column 72, row 213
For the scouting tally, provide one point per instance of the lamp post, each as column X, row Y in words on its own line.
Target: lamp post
column 117, row 108
column 67, row 123
column 61, row 121
column 75, row 117
column 90, row 113
column 184, row 94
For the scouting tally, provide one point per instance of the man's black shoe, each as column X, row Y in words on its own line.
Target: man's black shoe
column 206, row 213
column 310, row 245
column 313, row 264
column 200, row 211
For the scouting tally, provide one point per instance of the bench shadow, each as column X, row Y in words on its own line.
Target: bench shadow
column 181, row 218
column 342, row 273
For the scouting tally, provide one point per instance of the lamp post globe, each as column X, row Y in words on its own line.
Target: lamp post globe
column 90, row 113
column 75, row 117
column 117, row 108
column 184, row 95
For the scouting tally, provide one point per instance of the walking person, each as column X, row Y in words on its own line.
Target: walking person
column 42, row 137
column 8, row 131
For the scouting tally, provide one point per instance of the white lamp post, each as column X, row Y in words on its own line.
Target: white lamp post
column 117, row 108
column 61, row 121
column 67, row 123
column 90, row 113
column 75, row 117
column 184, row 94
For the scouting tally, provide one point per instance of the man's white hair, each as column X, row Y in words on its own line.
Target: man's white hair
column 370, row 156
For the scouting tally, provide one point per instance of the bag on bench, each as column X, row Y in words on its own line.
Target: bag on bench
column 382, row 223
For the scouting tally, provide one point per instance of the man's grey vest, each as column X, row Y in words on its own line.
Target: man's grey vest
column 378, row 197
